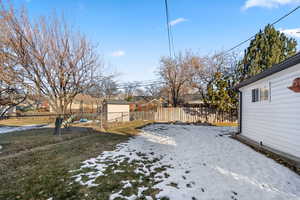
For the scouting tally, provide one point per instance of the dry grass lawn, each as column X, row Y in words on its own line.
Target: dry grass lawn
column 128, row 128
column 234, row 124
column 36, row 165
column 26, row 121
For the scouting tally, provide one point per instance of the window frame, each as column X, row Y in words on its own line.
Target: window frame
column 255, row 95
column 262, row 94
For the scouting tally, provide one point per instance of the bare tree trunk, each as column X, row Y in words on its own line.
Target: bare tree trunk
column 71, row 106
column 58, row 123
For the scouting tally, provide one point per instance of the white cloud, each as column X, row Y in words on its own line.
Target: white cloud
column 268, row 3
column 292, row 32
column 118, row 53
column 177, row 21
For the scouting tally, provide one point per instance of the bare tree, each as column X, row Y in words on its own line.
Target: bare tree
column 209, row 66
column 12, row 92
column 10, row 96
column 57, row 62
column 177, row 73
column 104, row 87
column 109, row 87
column 130, row 89
column 153, row 90
column 140, row 92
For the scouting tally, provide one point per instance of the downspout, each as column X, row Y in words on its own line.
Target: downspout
column 240, row 115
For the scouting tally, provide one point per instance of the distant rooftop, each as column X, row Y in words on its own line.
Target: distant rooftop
column 117, row 102
column 145, row 98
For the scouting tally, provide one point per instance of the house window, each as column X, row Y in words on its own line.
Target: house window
column 255, row 95
column 261, row 94
column 264, row 94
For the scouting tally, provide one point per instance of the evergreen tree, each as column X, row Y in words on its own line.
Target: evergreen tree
column 269, row 47
column 220, row 94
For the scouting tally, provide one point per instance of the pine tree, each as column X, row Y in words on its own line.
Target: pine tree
column 220, row 94
column 268, row 47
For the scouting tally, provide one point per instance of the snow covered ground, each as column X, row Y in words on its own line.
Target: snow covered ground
column 7, row 129
column 198, row 162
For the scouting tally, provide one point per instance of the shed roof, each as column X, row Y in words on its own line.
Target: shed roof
column 116, row 102
column 290, row 62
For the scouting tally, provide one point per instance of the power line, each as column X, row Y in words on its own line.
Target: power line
column 172, row 41
column 140, row 83
column 286, row 15
column 139, row 86
column 275, row 22
column 170, row 35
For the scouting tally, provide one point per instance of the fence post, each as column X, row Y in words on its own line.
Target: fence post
column 101, row 120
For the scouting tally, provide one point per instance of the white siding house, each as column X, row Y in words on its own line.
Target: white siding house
column 270, row 110
column 116, row 110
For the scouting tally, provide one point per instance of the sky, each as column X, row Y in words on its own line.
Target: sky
column 131, row 34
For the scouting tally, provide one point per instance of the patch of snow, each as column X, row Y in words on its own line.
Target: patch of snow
column 119, row 171
column 141, row 190
column 8, row 129
column 158, row 138
column 86, row 122
column 115, row 195
column 119, row 195
column 127, row 184
column 205, row 164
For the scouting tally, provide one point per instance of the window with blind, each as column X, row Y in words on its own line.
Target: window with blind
column 264, row 94
column 261, row 94
column 255, row 95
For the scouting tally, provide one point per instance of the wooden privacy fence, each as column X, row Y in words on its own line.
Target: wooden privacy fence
column 110, row 119
column 185, row 114
column 143, row 115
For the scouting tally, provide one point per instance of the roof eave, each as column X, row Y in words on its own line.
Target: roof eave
column 290, row 62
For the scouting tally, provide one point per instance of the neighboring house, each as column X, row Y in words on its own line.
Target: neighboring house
column 11, row 111
column 44, row 105
column 192, row 100
column 31, row 104
column 270, row 109
column 116, row 110
column 83, row 103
